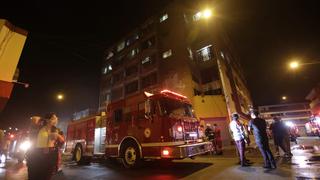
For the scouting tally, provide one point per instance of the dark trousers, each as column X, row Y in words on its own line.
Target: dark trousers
column 283, row 143
column 41, row 164
column 241, row 150
column 266, row 154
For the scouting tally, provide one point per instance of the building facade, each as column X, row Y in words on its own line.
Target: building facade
column 297, row 114
column 184, row 49
column 314, row 98
column 12, row 40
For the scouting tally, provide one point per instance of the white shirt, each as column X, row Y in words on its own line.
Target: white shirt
column 237, row 131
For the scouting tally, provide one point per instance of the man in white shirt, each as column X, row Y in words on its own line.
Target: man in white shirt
column 238, row 134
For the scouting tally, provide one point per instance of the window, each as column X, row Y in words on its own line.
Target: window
column 146, row 60
column 121, row 46
column 205, row 53
column 109, row 55
column 164, row 17
column 133, row 53
column 221, row 54
column 213, row 92
column 107, row 69
column 209, row 75
column 167, row 54
column 149, row 80
column 132, row 87
column 132, row 39
column 148, row 43
column 117, row 115
column 131, row 70
column 116, row 94
column 117, row 77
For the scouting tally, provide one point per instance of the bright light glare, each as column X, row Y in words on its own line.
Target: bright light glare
column 60, row 97
column 207, row 13
column 165, row 152
column 294, row 65
column 289, row 124
column 284, row 97
column 25, row 145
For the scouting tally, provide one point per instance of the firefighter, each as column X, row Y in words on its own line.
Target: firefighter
column 44, row 156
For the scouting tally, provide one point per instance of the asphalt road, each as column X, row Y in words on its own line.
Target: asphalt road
column 304, row 165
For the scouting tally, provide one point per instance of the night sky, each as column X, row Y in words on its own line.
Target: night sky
column 66, row 41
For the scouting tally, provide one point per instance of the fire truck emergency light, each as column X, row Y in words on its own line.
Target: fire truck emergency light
column 174, row 93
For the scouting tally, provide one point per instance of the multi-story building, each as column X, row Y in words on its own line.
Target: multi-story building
column 297, row 114
column 12, row 40
column 184, row 49
column 314, row 98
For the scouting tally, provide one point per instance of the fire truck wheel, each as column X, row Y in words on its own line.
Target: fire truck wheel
column 130, row 155
column 78, row 155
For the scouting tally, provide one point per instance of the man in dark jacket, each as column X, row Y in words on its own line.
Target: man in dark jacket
column 259, row 128
column 281, row 136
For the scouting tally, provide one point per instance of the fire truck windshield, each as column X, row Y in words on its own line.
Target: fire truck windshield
column 176, row 109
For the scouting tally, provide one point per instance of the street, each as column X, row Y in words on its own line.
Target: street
column 304, row 165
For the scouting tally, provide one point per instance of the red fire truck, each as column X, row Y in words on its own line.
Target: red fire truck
column 85, row 139
column 143, row 126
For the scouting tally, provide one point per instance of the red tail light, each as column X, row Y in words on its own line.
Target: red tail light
column 11, row 136
column 179, row 128
column 165, row 152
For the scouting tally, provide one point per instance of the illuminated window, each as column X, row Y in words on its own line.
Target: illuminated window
column 205, row 53
column 164, row 17
column 110, row 55
column 146, row 60
column 167, row 54
column 107, row 69
column 221, row 54
column 133, row 53
column 121, row 46
column 132, row 39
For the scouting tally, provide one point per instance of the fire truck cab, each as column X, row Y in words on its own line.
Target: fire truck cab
column 152, row 126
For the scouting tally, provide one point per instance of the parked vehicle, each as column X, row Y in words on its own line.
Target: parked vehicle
column 143, row 126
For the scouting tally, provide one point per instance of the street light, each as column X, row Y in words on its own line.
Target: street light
column 284, row 98
column 60, row 97
column 207, row 13
column 296, row 64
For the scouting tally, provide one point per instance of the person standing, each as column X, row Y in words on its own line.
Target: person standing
column 238, row 134
column 45, row 156
column 259, row 128
column 281, row 136
column 217, row 139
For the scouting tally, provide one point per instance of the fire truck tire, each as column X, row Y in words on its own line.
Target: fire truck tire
column 77, row 156
column 130, row 155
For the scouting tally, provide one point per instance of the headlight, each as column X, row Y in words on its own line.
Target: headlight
column 25, row 145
